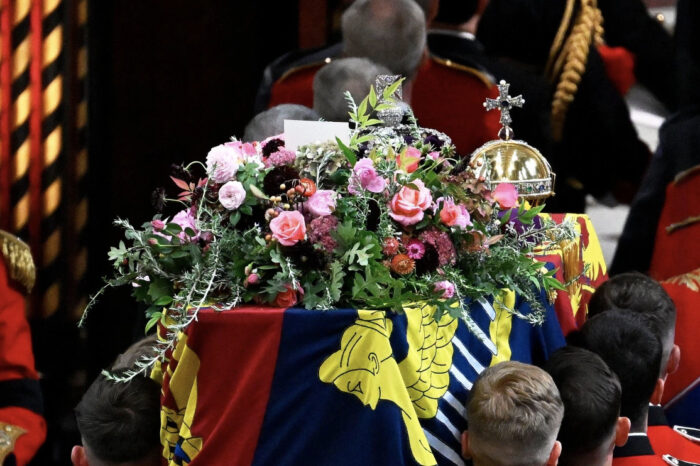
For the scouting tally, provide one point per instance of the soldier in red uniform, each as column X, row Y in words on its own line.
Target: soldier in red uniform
column 22, row 426
column 649, row 303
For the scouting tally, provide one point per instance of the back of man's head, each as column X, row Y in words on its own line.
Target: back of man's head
column 631, row 351
column 388, row 32
column 120, row 422
column 649, row 302
column 271, row 121
column 514, row 412
column 355, row 75
column 591, row 394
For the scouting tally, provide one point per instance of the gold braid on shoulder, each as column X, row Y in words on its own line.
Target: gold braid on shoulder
column 18, row 259
column 569, row 55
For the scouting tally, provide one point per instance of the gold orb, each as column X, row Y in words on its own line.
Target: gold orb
column 515, row 162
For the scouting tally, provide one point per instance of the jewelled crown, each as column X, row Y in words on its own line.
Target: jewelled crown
column 506, row 160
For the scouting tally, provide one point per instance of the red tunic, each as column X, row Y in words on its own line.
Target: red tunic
column 20, row 396
column 665, row 440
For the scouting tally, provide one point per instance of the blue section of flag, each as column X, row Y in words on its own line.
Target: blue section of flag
column 686, row 410
column 309, row 422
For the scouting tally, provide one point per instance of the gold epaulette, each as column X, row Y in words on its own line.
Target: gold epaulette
column 18, row 259
column 295, row 69
column 483, row 77
column 8, row 436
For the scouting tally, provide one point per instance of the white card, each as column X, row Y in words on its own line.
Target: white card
column 298, row 133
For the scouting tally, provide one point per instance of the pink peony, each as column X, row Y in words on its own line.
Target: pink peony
column 232, row 195
column 288, row 227
column 452, row 214
column 506, row 195
column 222, row 163
column 408, row 159
column 185, row 219
column 446, row 287
column 322, row 202
column 408, row 204
column 364, row 176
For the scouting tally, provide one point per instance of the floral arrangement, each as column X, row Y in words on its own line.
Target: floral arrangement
column 391, row 218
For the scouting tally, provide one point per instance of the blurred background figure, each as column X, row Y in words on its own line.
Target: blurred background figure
column 354, row 75
column 271, row 122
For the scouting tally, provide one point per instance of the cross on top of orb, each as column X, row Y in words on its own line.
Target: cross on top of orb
column 504, row 103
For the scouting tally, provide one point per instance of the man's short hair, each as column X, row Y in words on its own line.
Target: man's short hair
column 515, row 407
column 591, row 394
column 120, row 421
column 271, row 121
column 646, row 298
column 347, row 74
column 630, row 350
column 388, row 32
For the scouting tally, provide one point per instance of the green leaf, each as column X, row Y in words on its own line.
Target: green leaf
column 172, row 229
column 389, row 92
column 158, row 288
column 506, row 216
column 349, row 154
column 155, row 318
column 362, row 108
column 246, row 209
column 163, row 301
column 235, row 218
column 372, row 97
column 255, row 191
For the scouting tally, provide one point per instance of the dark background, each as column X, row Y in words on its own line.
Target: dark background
column 167, row 80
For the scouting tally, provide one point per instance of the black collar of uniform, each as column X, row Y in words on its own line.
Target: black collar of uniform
column 458, row 47
column 657, row 417
column 637, row 445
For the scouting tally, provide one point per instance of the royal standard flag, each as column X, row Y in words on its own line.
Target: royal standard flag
column 291, row 386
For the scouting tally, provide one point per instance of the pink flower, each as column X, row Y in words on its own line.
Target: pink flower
column 281, row 157
column 185, row 219
column 320, row 230
column 415, row 249
column 232, row 195
column 446, row 287
column 408, row 204
column 157, row 224
column 434, row 155
column 322, row 202
column 506, row 195
column 251, row 279
column 408, row 159
column 245, row 152
column 364, row 176
column 222, row 163
column 288, row 227
column 289, row 297
column 452, row 214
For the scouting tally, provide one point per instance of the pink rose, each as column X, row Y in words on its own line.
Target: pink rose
column 232, row 195
column 506, row 195
column 289, row 297
column 322, row 202
column 157, row 224
column 446, row 287
column 185, row 219
column 408, row 204
column 365, row 176
column 288, row 227
column 452, row 214
column 408, row 159
column 222, row 163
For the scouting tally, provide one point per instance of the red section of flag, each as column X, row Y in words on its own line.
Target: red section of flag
column 249, row 346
